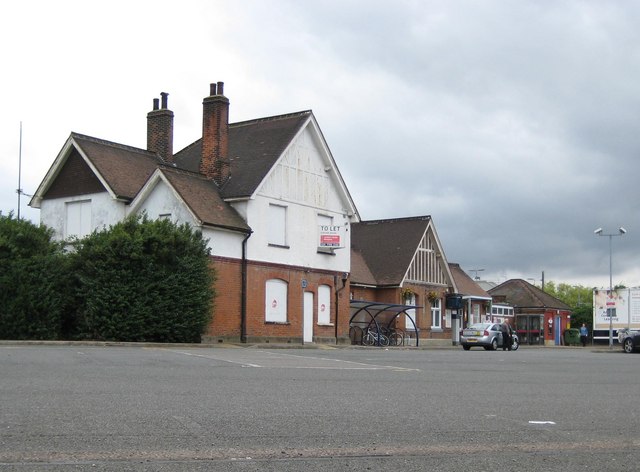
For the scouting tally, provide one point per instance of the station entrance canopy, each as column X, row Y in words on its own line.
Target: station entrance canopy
column 374, row 315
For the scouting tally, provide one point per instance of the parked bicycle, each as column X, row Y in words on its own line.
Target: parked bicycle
column 395, row 335
column 374, row 338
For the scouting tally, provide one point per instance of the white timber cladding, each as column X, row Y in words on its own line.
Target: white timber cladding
column 302, row 185
column 427, row 265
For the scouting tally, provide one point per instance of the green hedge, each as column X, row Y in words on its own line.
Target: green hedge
column 139, row 280
column 33, row 281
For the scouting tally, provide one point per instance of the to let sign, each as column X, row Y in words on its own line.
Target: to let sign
column 330, row 236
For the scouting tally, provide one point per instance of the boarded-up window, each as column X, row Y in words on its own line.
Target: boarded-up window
column 277, row 225
column 78, row 219
column 324, row 304
column 276, row 301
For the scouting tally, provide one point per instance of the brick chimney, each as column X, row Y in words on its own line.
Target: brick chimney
column 214, row 162
column 160, row 129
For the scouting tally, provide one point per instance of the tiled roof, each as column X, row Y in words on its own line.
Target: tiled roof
column 202, row 197
column 465, row 284
column 387, row 247
column 124, row 168
column 522, row 294
column 360, row 272
column 254, row 148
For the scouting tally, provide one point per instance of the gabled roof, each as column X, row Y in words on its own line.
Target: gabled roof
column 387, row 247
column 200, row 195
column 465, row 285
column 360, row 272
column 521, row 294
column 254, row 148
column 123, row 170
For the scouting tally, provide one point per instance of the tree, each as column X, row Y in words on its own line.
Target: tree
column 578, row 297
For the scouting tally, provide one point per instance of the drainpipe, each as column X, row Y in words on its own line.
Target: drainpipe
column 345, row 276
column 243, row 295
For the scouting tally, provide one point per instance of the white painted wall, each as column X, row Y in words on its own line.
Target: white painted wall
column 161, row 200
column 304, row 181
column 300, row 182
column 105, row 211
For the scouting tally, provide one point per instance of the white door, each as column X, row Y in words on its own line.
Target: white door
column 307, row 322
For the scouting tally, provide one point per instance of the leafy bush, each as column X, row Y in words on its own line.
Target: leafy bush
column 34, row 291
column 140, row 280
column 143, row 280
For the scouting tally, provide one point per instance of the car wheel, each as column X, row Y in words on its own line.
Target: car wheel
column 628, row 345
column 515, row 345
column 494, row 344
column 465, row 347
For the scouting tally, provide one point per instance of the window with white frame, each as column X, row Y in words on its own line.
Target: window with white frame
column 435, row 314
column 324, row 304
column 277, row 225
column 275, row 303
column 78, row 219
column 475, row 316
column 410, row 315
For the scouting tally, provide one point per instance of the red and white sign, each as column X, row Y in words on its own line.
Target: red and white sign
column 331, row 236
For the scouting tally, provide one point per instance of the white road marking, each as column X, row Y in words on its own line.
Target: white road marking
column 279, row 360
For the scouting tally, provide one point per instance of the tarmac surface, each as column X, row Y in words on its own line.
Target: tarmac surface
column 75, row 406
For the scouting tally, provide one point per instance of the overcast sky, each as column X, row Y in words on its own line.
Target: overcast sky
column 514, row 124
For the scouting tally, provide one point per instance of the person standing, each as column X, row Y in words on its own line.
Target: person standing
column 506, row 335
column 584, row 334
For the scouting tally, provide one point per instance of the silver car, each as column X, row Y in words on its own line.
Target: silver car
column 487, row 335
column 629, row 339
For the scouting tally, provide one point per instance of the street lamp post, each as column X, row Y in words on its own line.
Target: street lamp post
column 620, row 232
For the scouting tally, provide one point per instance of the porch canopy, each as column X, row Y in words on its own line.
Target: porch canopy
column 367, row 313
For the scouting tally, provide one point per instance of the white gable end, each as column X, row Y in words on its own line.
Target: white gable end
column 162, row 202
column 302, row 190
column 305, row 175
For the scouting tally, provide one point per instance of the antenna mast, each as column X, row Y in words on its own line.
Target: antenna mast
column 19, row 190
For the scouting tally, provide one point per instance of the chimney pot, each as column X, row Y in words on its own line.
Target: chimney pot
column 214, row 160
column 160, row 129
column 212, row 90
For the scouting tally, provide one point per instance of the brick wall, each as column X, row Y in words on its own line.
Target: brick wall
column 160, row 133
column 423, row 315
column 226, row 318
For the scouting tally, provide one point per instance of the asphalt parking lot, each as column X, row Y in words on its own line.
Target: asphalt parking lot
column 178, row 408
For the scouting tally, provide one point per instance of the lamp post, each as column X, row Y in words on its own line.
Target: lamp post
column 620, row 232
